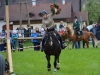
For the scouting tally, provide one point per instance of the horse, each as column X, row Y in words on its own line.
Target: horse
column 73, row 37
column 52, row 47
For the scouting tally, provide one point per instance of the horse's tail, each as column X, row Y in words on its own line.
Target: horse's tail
column 94, row 38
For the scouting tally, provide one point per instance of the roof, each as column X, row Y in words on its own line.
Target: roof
column 84, row 15
column 14, row 11
column 2, row 9
column 75, row 3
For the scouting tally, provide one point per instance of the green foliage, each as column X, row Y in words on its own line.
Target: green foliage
column 6, row 2
column 93, row 8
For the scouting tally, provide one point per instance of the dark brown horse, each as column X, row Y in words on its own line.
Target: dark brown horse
column 52, row 47
column 73, row 37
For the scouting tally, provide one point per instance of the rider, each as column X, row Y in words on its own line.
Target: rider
column 76, row 26
column 48, row 25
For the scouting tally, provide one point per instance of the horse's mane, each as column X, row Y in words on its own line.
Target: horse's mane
column 71, row 29
column 56, row 42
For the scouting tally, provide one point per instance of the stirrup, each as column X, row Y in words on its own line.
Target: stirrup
column 78, row 36
column 41, row 49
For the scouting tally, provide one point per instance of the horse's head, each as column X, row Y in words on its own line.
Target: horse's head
column 67, row 29
column 50, row 38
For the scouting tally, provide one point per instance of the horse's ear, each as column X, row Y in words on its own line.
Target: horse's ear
column 66, row 25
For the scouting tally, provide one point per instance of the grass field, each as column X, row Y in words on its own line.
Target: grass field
column 72, row 62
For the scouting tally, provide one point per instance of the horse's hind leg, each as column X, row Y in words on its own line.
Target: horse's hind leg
column 58, row 64
column 48, row 64
column 55, row 63
column 87, row 43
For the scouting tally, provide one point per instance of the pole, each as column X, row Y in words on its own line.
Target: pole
column 20, row 17
column 81, row 22
column 27, row 13
column 54, row 1
column 9, row 55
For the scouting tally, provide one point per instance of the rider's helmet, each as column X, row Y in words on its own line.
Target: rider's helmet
column 43, row 12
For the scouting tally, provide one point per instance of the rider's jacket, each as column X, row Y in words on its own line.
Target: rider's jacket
column 48, row 22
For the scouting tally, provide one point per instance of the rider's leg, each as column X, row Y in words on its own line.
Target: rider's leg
column 61, row 42
column 43, row 41
column 78, row 32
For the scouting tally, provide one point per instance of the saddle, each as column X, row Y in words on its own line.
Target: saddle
column 45, row 37
column 78, row 33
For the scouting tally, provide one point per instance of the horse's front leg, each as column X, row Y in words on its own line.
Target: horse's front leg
column 68, row 43
column 55, row 63
column 48, row 64
column 73, row 45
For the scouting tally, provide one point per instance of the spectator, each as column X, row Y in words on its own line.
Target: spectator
column 19, row 34
column 18, row 28
column 93, row 30
column 1, row 43
column 14, row 39
column 23, row 30
column 28, row 31
column 61, row 25
column 42, row 32
column 84, row 29
column 4, row 35
column 20, row 42
column 35, row 41
column 2, row 65
column 61, row 31
column 98, row 32
column 37, row 30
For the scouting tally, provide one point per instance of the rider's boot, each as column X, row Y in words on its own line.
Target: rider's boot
column 61, row 42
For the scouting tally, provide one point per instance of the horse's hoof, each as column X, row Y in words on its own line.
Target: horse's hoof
column 55, row 70
column 49, row 69
column 58, row 68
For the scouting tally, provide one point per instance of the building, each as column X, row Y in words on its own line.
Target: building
column 69, row 8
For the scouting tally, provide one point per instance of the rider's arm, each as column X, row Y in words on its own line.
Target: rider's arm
column 44, row 26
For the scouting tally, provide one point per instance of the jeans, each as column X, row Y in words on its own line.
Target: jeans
column 36, row 44
column 1, row 47
column 77, row 45
column 14, row 44
column 93, row 43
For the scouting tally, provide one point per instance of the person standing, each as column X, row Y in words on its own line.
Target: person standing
column 28, row 31
column 20, row 42
column 42, row 32
column 14, row 39
column 61, row 25
column 84, row 29
column 94, row 31
column 35, row 41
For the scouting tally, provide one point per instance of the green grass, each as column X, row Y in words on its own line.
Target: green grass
column 72, row 62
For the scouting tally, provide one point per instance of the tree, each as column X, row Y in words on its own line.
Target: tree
column 93, row 8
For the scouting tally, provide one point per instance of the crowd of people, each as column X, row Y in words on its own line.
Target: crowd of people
column 29, row 32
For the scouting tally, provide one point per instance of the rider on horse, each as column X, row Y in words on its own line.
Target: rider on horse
column 48, row 25
column 76, row 26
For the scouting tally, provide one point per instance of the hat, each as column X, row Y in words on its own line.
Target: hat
column 43, row 12
column 75, row 17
